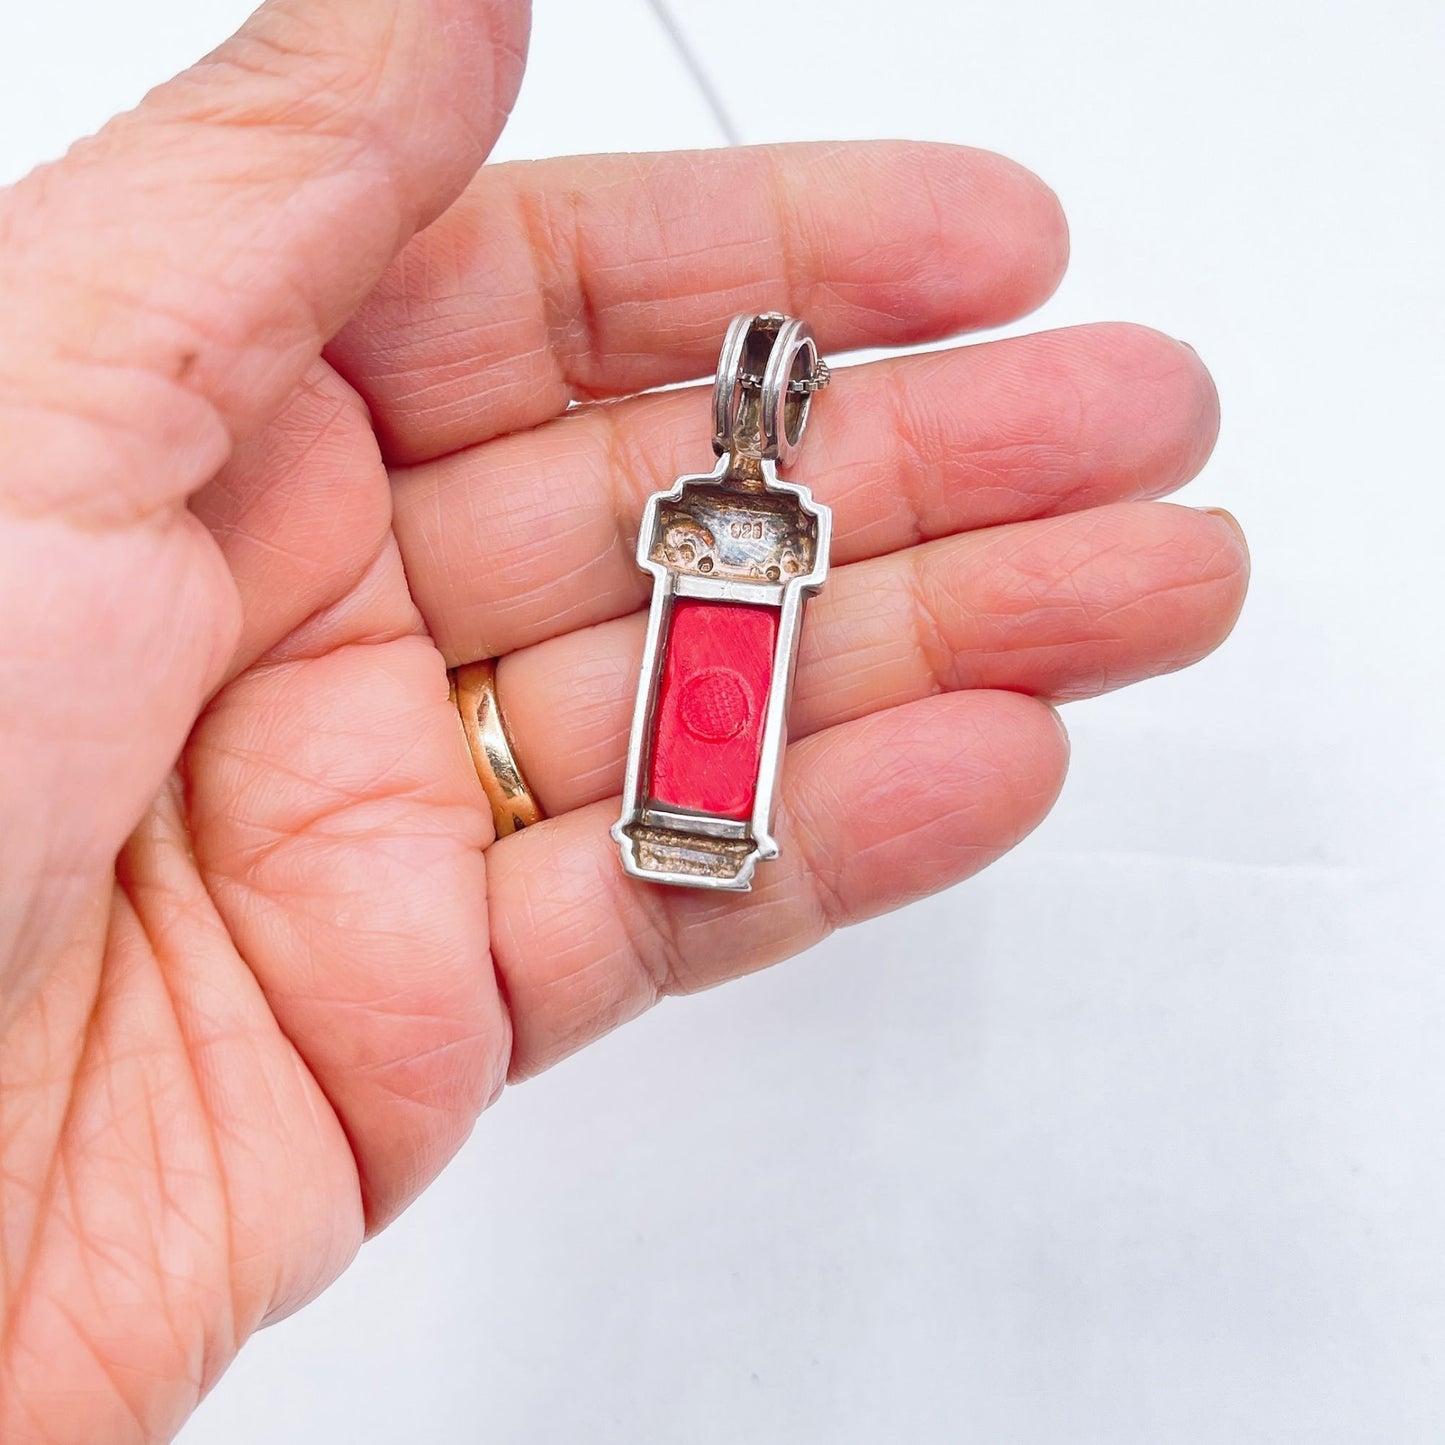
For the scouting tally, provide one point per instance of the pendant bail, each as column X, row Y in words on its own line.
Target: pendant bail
column 768, row 372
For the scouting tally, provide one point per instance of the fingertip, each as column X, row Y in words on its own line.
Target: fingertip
column 495, row 34
column 1062, row 728
column 994, row 759
column 1042, row 237
column 1232, row 522
column 1192, row 568
column 1238, row 576
column 1035, row 755
column 1152, row 402
column 1197, row 403
column 990, row 242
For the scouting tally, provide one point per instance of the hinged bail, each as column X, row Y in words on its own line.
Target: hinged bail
column 768, row 371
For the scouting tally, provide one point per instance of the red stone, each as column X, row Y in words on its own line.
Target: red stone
column 716, row 676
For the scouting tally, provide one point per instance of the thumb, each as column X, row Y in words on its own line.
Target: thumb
column 164, row 287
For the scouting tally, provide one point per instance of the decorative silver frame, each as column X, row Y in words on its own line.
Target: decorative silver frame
column 760, row 418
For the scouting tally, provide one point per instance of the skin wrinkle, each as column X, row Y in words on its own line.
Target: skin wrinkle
column 618, row 463
column 302, row 923
column 18, row 1293
column 342, row 805
column 895, row 398
column 1167, row 590
column 84, row 522
column 542, row 248
column 824, row 901
column 586, row 316
column 824, row 890
column 231, row 521
column 151, row 1264
column 112, row 1376
column 929, row 629
column 338, row 102
column 188, row 341
column 656, row 952
column 311, row 912
column 306, row 642
column 91, row 1243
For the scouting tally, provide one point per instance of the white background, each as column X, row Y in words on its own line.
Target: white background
column 1141, row 1136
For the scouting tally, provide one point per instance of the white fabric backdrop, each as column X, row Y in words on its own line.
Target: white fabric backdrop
column 1137, row 1138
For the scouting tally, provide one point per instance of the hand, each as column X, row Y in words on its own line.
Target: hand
column 261, row 962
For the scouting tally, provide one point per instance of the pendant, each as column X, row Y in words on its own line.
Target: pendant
column 734, row 553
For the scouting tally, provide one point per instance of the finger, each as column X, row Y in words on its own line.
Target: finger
column 338, row 824
column 334, row 811
column 1061, row 609
column 875, row 814
column 163, row 288
column 248, row 206
column 603, row 275
column 530, row 537
column 301, row 513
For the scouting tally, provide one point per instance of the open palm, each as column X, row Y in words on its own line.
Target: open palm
column 266, row 470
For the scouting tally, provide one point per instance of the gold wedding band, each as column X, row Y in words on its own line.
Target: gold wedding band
column 474, row 690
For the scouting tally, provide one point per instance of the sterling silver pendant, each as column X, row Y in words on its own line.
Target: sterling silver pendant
column 734, row 554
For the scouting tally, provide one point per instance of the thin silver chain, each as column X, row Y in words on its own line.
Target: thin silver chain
column 710, row 93
column 804, row 386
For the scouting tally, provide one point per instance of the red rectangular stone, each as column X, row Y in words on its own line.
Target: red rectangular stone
column 716, row 677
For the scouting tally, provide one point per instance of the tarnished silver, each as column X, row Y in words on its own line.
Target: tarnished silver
column 736, row 534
